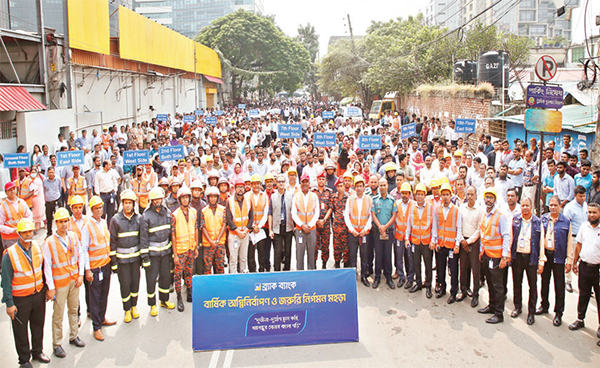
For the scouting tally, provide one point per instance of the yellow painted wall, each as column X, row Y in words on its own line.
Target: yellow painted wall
column 89, row 28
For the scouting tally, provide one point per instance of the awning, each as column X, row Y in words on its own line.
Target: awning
column 213, row 79
column 18, row 99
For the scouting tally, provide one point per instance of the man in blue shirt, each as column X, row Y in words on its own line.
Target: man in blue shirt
column 563, row 184
column 548, row 183
column 384, row 215
column 584, row 178
column 515, row 170
column 576, row 212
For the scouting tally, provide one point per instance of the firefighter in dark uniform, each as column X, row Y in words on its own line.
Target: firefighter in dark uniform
column 324, row 222
column 340, row 230
column 125, row 253
column 198, row 204
column 155, row 250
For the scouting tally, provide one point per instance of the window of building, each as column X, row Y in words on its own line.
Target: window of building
column 538, row 30
column 8, row 129
column 577, row 53
column 527, row 16
column 527, row 4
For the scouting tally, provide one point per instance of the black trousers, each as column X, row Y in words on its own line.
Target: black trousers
column 557, row 271
column 422, row 251
column 160, row 268
column 251, row 256
column 383, row 253
column 367, row 254
column 109, row 200
column 31, row 311
column 588, row 280
column 353, row 244
column 199, row 261
column 519, row 265
column 282, row 247
column 469, row 263
column 50, row 209
column 445, row 257
column 98, row 294
column 264, row 254
column 129, row 279
column 494, row 275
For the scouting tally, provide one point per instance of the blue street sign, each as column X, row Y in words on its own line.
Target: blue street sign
column 408, row 130
column 136, row 157
column 324, row 140
column 241, row 106
column 293, row 131
column 545, row 97
column 171, row 153
column 327, row 114
column 69, row 158
column 274, row 309
column 353, row 111
column 189, row 118
column 369, row 142
column 465, row 125
column 162, row 117
column 210, row 120
column 218, row 112
column 199, row 112
column 254, row 113
column 13, row 160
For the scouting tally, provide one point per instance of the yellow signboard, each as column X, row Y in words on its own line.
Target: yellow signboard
column 89, row 27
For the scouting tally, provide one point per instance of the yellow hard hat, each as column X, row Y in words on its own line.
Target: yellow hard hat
column 128, row 194
column 96, row 201
column 255, row 178
column 348, row 174
column 490, row 190
column 156, row 193
column 444, row 180
column 359, row 179
column 25, row 224
column 447, row 187
column 421, row 188
column 269, row 176
column 76, row 200
column 405, row 187
column 292, row 169
column 61, row 214
column 458, row 153
column 390, row 166
column 434, row 183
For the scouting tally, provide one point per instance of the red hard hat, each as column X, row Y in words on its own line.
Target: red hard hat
column 239, row 181
column 10, row 185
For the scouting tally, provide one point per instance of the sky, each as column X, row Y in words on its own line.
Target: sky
column 329, row 16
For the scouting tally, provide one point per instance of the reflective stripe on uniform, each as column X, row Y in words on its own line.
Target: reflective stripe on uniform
column 129, row 233
column 159, row 228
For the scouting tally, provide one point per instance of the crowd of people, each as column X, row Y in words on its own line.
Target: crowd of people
column 242, row 199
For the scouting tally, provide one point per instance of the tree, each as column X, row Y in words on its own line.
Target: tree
column 309, row 38
column 250, row 46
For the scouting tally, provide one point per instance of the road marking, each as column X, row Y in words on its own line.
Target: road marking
column 214, row 359
column 228, row 359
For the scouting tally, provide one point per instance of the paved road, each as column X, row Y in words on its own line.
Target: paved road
column 396, row 329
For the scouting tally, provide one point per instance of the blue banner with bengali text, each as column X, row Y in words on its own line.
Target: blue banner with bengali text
column 369, row 142
column 218, row 112
column 210, row 120
column 324, row 140
column 13, row 160
column 162, row 117
column 189, row 118
column 136, row 157
column 69, row 158
column 327, row 114
column 465, row 125
column 254, row 113
column 273, row 309
column 170, row 153
column 291, row 131
column 241, row 106
column 199, row 112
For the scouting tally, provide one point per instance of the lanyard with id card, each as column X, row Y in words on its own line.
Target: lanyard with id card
column 522, row 235
column 550, row 236
column 68, row 250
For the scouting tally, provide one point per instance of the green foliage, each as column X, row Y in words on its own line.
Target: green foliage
column 309, row 38
column 253, row 46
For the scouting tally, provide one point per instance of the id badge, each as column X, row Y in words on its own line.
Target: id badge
column 112, row 199
column 549, row 244
column 282, row 217
column 364, row 239
column 73, row 260
column 413, row 248
column 521, row 243
column 236, row 244
column 491, row 264
column 451, row 255
column 300, row 239
column 100, row 276
column 322, row 206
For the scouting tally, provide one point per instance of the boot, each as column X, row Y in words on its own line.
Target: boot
column 337, row 264
column 127, row 318
column 189, row 296
column 154, row 311
column 180, row 306
column 134, row 313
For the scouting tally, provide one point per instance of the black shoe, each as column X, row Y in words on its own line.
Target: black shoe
column 440, row 294
column 474, row 302
column 337, row 264
column 451, row 299
column 530, row 319
column 461, row 296
column 409, row 285
column 469, row 293
column 598, row 333
column 540, row 311
column 42, row 358
column 59, row 352
column 414, row 288
column 495, row 319
column 324, row 265
column 516, row 313
column 189, row 296
column 428, row 293
column 401, row 283
column 438, row 287
column 391, row 285
column 576, row 325
column 376, row 283
column 569, row 287
column 365, row 281
column 487, row 310
column 370, row 273
column 25, row 365
column 598, row 343
column 557, row 320
column 77, row 342
column 180, row 306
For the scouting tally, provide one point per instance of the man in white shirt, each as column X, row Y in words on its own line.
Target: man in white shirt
column 428, row 173
column 471, row 214
column 305, row 202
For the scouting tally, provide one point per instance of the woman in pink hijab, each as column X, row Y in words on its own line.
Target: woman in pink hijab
column 237, row 175
column 417, row 162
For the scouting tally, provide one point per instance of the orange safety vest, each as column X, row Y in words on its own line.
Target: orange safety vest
column 185, row 230
column 74, row 228
column 140, row 187
column 491, row 238
column 260, row 209
column 402, row 219
column 305, row 213
column 65, row 258
column 447, row 227
column 27, row 277
column 77, row 188
column 213, row 222
column 12, row 216
column 240, row 218
column 106, row 141
column 151, row 178
column 99, row 249
column 421, row 226
column 359, row 219
column 25, row 191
